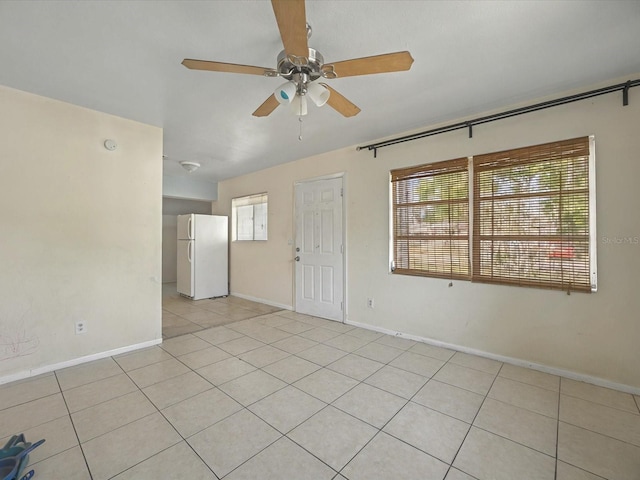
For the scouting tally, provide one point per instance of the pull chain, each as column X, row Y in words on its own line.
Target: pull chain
column 300, row 120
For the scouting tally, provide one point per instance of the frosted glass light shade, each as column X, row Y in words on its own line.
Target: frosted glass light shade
column 299, row 105
column 285, row 93
column 318, row 94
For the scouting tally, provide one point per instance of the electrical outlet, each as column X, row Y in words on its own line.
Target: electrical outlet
column 81, row 327
column 370, row 302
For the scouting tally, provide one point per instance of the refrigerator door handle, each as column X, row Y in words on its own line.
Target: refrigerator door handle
column 189, row 253
column 189, row 229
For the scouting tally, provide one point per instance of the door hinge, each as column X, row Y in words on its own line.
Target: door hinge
column 341, row 306
column 341, row 248
column 341, row 191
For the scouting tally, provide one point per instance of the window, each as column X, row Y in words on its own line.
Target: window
column 249, row 217
column 431, row 219
column 532, row 222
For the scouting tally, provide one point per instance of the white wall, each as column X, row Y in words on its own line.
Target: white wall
column 190, row 187
column 81, row 232
column 591, row 334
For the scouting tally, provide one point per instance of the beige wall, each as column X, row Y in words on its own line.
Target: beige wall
column 169, row 248
column 596, row 335
column 80, row 232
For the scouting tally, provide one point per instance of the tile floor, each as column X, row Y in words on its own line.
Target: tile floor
column 181, row 315
column 277, row 395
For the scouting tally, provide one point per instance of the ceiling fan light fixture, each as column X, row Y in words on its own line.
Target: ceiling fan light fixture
column 299, row 105
column 318, row 93
column 285, row 93
column 301, row 65
column 190, row 166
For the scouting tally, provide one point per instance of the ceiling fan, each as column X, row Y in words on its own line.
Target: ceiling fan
column 303, row 66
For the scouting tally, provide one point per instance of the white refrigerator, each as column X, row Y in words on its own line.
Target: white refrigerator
column 203, row 256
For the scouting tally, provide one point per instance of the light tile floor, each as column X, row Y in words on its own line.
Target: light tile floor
column 181, row 315
column 278, row 395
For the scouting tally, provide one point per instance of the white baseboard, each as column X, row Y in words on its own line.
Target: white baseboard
column 262, row 300
column 77, row 361
column 601, row 382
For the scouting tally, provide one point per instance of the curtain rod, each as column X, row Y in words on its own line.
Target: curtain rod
column 509, row 113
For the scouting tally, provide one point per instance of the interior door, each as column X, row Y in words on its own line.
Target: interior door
column 319, row 265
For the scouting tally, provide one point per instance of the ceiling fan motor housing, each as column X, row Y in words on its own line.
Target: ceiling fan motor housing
column 311, row 67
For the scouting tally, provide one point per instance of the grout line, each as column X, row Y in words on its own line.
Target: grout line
column 158, row 453
column 174, row 429
column 505, row 402
column 282, row 435
column 32, row 400
column 285, row 435
column 514, row 441
column 601, row 434
column 473, row 421
column 583, row 470
column 192, row 304
column 452, row 385
column 359, row 382
column 605, row 405
column 407, row 401
column 533, row 385
column 520, row 406
column 257, row 453
column 102, row 402
column 75, row 431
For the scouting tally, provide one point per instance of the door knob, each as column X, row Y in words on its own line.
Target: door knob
column 298, row 258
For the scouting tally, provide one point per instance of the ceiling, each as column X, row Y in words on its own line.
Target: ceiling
column 124, row 58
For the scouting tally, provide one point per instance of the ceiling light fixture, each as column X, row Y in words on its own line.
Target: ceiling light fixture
column 319, row 94
column 299, row 105
column 285, row 93
column 190, row 166
column 301, row 75
column 296, row 91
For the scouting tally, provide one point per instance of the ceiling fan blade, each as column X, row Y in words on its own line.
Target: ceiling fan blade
column 340, row 104
column 226, row 67
column 389, row 62
column 269, row 105
column 292, row 23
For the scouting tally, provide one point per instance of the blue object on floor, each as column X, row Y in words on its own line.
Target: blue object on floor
column 28, row 475
column 14, row 457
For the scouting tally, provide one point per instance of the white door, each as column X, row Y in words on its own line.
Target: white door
column 319, row 281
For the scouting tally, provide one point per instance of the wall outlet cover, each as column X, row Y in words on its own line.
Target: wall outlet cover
column 81, row 327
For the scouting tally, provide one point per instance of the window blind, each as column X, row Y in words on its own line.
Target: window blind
column 431, row 219
column 531, row 216
column 250, row 200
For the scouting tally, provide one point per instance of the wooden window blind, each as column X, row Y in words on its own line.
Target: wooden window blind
column 431, row 219
column 531, row 216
